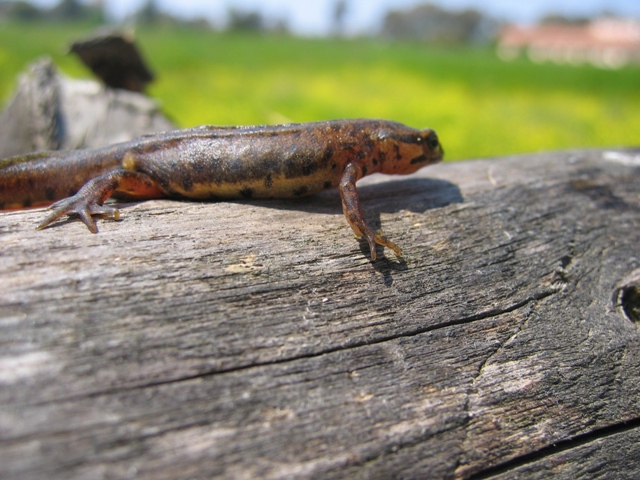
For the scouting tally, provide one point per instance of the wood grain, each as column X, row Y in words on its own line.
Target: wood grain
column 257, row 340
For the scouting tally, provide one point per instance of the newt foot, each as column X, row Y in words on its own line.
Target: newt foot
column 78, row 205
column 378, row 238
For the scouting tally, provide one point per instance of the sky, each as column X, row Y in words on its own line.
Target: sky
column 313, row 17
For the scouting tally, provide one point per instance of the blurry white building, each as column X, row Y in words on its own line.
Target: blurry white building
column 606, row 42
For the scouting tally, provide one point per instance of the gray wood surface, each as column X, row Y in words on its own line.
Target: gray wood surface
column 257, row 340
column 50, row 111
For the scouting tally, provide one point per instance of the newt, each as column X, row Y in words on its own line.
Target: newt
column 219, row 163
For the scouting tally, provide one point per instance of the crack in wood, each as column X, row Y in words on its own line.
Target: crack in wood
column 481, row 367
column 557, row 447
column 222, row 371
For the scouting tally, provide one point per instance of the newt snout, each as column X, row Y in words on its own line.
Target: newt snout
column 432, row 144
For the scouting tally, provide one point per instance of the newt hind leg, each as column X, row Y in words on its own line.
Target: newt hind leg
column 89, row 200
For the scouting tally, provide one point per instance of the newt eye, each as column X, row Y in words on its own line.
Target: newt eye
column 432, row 142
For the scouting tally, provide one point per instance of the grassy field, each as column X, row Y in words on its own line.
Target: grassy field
column 479, row 105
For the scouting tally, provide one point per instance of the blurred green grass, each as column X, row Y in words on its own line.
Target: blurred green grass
column 479, row 105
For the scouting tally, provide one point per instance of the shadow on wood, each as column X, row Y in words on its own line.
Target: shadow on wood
column 244, row 340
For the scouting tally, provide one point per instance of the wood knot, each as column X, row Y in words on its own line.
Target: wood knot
column 626, row 296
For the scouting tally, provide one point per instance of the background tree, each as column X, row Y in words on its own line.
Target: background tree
column 434, row 24
column 68, row 10
column 74, row 10
column 340, row 9
column 149, row 13
column 21, row 11
column 243, row 21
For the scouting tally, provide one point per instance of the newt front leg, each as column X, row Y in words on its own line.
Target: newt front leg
column 352, row 210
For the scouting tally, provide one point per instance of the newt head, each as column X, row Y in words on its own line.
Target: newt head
column 409, row 150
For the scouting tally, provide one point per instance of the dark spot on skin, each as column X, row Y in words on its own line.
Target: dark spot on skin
column 165, row 185
column 246, row 192
column 327, row 185
column 268, row 164
column 26, row 203
column 420, row 159
column 187, row 184
column 396, row 150
column 198, row 168
column 375, row 162
column 297, row 161
column 364, row 170
column 50, row 194
column 268, row 181
column 328, row 153
column 334, row 166
column 308, row 169
column 369, row 143
column 30, row 182
column 298, row 192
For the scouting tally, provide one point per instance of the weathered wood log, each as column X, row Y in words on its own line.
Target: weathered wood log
column 257, row 340
column 50, row 111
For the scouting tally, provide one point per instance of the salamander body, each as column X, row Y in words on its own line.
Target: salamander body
column 215, row 163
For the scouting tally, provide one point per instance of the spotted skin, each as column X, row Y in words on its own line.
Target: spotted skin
column 215, row 163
